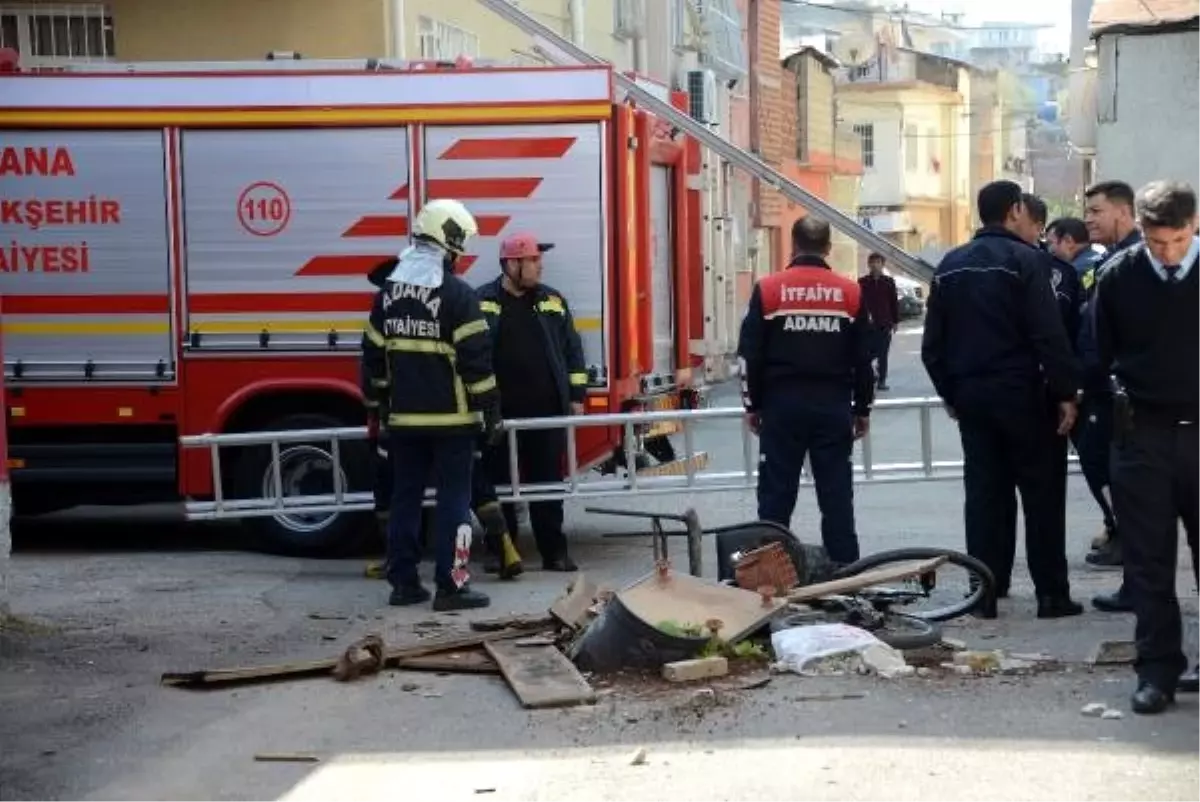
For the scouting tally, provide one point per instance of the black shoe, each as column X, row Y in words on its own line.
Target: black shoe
column 1150, row 699
column 408, row 595
column 491, row 564
column 1189, row 681
column 1113, row 602
column 987, row 609
column 883, row 387
column 563, row 564
column 1107, row 556
column 1057, row 607
column 512, row 570
column 451, row 600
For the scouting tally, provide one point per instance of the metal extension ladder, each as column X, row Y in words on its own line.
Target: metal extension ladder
column 915, row 267
column 695, row 477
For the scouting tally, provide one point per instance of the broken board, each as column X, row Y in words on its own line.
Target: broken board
column 684, row 600
column 866, row 579
column 571, row 609
column 474, row 661
column 540, row 676
column 216, row 678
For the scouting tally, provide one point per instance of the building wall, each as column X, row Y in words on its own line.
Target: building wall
column 1148, row 108
column 882, row 181
column 499, row 40
column 220, row 30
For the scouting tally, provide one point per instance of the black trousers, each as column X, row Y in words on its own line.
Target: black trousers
column 1155, row 480
column 793, row 426
column 1009, row 445
column 541, row 454
column 881, row 346
column 1092, row 437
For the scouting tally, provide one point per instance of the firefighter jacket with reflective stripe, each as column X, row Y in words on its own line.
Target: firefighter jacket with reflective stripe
column 427, row 358
column 562, row 346
column 807, row 327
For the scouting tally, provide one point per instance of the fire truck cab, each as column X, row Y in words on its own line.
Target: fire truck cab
column 185, row 251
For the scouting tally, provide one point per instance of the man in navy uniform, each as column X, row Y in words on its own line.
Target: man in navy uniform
column 1147, row 313
column 807, row 385
column 427, row 361
column 994, row 346
column 1068, row 239
column 1111, row 222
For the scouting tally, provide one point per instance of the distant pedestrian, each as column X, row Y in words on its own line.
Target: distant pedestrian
column 995, row 346
column 1147, row 314
column 807, row 385
column 882, row 301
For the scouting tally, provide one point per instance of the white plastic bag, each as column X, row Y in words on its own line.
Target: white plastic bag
column 797, row 647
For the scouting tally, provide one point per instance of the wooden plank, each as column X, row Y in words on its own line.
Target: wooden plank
column 866, row 579
column 540, row 676
column 685, row 600
column 475, row 661
column 240, row 676
column 534, row 622
column 571, row 609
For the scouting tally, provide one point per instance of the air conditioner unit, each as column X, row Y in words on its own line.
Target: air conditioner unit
column 702, row 96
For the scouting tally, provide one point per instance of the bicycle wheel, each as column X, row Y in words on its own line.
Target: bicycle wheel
column 960, row 598
column 906, row 632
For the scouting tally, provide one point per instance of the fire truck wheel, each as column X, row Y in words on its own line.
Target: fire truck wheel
column 305, row 470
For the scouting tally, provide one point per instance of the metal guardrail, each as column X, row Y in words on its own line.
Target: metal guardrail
column 575, row 485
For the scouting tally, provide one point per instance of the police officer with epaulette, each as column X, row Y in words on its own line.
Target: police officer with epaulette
column 1147, row 313
column 426, row 350
column 540, row 368
column 1067, row 238
column 1112, row 223
column 994, row 345
column 807, row 385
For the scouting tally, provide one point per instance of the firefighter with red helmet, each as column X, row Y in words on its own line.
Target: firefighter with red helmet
column 538, row 358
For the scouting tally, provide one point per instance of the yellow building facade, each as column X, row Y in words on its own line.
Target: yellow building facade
column 47, row 32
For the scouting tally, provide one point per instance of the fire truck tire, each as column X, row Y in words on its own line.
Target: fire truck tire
column 304, row 468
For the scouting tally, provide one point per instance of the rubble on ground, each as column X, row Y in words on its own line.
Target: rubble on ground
column 666, row 629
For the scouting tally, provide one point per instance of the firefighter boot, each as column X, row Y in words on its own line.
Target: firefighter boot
column 502, row 556
column 377, row 569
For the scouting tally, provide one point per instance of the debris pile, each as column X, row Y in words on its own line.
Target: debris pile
column 685, row 628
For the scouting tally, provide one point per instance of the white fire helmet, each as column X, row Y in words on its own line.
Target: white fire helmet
column 447, row 223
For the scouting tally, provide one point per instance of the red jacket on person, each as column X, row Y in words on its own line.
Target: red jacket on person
column 880, row 299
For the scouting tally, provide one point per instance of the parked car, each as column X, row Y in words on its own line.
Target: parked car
column 911, row 295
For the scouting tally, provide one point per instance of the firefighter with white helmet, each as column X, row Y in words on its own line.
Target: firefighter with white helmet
column 427, row 360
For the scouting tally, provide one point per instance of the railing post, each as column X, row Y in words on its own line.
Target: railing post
column 514, row 465
column 927, row 440
column 572, row 457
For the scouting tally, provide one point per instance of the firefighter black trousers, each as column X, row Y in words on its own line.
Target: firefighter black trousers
column 793, row 425
column 418, row 461
column 540, row 453
column 1009, row 445
column 1154, row 485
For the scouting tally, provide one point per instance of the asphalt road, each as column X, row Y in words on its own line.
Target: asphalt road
column 111, row 604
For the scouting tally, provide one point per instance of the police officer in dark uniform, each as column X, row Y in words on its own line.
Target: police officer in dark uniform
column 1068, row 239
column 425, row 349
column 807, row 385
column 1147, row 313
column 994, row 345
column 1111, row 222
column 539, row 364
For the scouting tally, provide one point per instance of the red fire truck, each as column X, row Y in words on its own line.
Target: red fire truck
column 185, row 252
